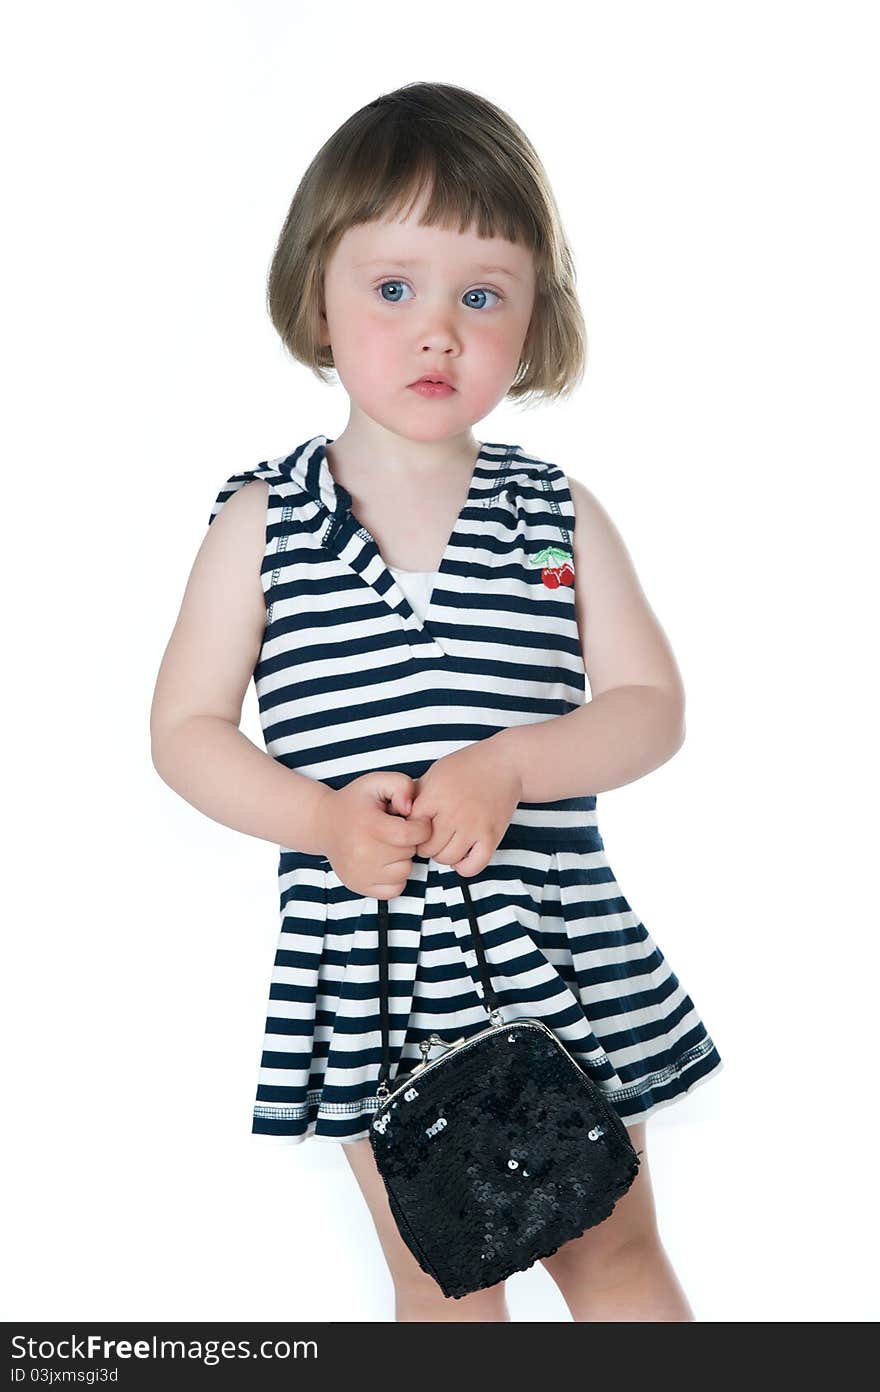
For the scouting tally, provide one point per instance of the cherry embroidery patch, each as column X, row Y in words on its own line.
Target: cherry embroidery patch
column 556, row 565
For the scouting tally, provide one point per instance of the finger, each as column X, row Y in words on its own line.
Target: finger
column 439, row 846
column 387, row 891
column 475, row 860
column 395, row 789
column 428, row 844
column 421, row 809
column 396, row 870
column 393, row 829
column 410, row 833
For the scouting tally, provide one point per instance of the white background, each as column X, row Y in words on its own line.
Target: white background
column 716, row 176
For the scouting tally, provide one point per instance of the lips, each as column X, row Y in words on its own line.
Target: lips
column 434, row 377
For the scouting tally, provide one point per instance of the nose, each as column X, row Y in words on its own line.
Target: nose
column 438, row 333
column 444, row 343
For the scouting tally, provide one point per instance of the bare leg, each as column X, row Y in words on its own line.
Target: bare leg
column 619, row 1271
column 417, row 1295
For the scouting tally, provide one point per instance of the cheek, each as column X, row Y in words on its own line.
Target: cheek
column 379, row 354
column 383, row 336
column 364, row 344
column 495, row 347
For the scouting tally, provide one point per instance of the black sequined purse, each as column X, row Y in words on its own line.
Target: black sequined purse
column 498, row 1151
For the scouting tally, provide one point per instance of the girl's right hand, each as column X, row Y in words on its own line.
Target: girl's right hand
column 370, row 844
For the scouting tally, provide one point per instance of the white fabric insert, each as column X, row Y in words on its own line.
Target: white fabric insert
column 417, row 585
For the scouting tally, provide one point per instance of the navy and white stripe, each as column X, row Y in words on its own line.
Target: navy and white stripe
column 349, row 680
column 418, row 586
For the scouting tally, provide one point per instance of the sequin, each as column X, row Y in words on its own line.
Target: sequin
column 456, row 1194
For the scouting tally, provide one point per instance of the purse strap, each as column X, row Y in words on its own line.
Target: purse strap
column 490, row 1000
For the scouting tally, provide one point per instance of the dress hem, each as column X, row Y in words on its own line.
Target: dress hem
column 312, row 1134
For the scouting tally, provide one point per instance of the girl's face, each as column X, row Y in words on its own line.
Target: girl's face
column 404, row 301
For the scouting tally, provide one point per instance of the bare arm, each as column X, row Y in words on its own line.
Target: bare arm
column 197, row 747
column 635, row 720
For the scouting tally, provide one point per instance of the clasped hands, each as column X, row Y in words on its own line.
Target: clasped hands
column 460, row 810
column 469, row 797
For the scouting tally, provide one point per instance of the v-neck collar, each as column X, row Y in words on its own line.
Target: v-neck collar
column 355, row 545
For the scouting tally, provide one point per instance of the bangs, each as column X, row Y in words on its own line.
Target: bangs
column 460, row 194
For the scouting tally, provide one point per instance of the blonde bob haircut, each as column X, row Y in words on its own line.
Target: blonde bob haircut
column 481, row 170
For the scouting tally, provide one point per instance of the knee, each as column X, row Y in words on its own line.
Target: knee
column 600, row 1264
column 415, row 1287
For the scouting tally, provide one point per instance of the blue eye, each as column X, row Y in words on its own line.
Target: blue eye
column 384, row 286
column 483, row 290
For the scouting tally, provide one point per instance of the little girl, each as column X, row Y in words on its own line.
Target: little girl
column 420, row 611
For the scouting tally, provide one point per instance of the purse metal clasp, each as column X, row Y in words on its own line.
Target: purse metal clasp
column 425, row 1046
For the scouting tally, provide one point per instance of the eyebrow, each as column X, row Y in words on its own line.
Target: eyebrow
column 404, row 261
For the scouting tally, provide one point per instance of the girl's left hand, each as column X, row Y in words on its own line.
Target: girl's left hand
column 470, row 797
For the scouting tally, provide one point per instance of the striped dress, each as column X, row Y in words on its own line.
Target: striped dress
column 351, row 680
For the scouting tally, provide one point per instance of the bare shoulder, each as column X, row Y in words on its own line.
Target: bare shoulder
column 622, row 639
column 226, row 571
column 216, row 639
column 593, row 524
column 246, row 508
